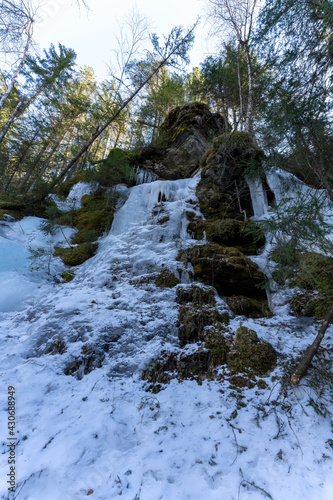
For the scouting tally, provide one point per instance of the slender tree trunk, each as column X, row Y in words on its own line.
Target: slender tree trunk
column 12, row 118
column 20, row 161
column 33, row 167
column 107, row 143
column 47, row 162
column 20, row 66
column 250, row 103
column 311, row 351
column 240, row 90
column 19, row 110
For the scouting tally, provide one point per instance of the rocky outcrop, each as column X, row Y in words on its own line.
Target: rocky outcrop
column 223, row 190
column 184, row 137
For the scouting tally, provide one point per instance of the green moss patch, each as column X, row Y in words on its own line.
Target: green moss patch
column 198, row 295
column 249, row 354
column 166, row 279
column 193, row 321
column 68, row 275
column 76, row 255
column 225, row 268
column 245, row 306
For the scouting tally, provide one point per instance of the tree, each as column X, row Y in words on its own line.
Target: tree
column 295, row 38
column 238, row 17
column 17, row 18
column 174, row 50
column 40, row 74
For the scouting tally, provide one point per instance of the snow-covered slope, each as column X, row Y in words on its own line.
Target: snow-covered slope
column 95, row 431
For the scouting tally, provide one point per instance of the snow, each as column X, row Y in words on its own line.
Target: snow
column 101, row 430
column 73, row 200
column 20, row 275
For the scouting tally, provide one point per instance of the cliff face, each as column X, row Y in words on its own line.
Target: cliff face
column 192, row 137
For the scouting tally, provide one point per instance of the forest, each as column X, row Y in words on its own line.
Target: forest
column 272, row 77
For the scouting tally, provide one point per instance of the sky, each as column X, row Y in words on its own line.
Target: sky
column 92, row 34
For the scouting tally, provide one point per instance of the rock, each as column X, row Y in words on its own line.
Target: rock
column 223, row 190
column 231, row 233
column 246, row 306
column 225, row 268
column 251, row 354
column 196, row 294
column 193, row 321
column 184, row 137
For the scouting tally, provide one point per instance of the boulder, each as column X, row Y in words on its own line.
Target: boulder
column 184, row 137
column 225, row 268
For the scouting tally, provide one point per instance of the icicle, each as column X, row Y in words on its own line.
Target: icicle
column 144, row 176
column 258, row 197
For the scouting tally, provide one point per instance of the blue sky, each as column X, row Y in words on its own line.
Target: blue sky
column 91, row 34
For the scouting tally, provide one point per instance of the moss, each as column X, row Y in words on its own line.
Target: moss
column 76, row 255
column 193, row 321
column 63, row 189
column 94, row 218
column 225, row 268
column 251, row 354
column 115, row 169
column 218, row 348
column 180, row 121
column 197, row 295
column 166, row 279
column 310, row 304
column 231, row 232
column 315, row 276
column 85, row 236
column 246, row 306
column 234, row 148
column 68, row 276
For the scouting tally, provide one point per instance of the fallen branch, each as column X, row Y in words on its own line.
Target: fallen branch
column 312, row 349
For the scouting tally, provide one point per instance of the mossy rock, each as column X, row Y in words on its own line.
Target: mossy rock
column 198, row 295
column 63, row 189
column 225, row 165
column 245, row 306
column 184, row 137
column 193, row 321
column 250, row 354
column 172, row 365
column 76, row 255
column 313, row 275
column 235, row 149
column 226, row 269
column 166, row 279
column 68, row 276
column 25, row 205
column 310, row 304
column 182, row 119
column 94, row 218
column 231, row 233
column 85, row 236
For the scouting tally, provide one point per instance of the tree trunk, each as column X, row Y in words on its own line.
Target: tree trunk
column 32, row 168
column 19, row 163
column 311, row 351
column 240, row 91
column 11, row 120
column 250, row 102
column 19, row 110
column 47, row 162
